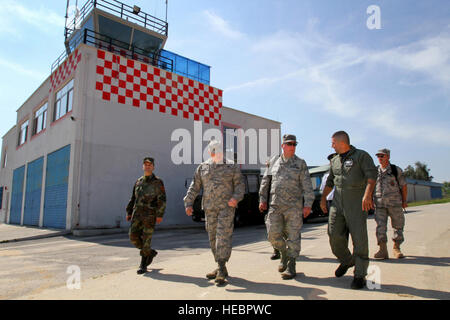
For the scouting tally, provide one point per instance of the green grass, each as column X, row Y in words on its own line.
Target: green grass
column 435, row 201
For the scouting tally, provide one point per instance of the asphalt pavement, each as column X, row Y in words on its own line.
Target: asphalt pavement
column 106, row 266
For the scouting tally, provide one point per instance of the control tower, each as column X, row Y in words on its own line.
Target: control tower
column 126, row 30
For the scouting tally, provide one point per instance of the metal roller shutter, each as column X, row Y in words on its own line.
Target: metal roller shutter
column 33, row 192
column 56, row 185
column 17, row 195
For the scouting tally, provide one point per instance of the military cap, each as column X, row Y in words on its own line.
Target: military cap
column 289, row 138
column 215, row 146
column 149, row 160
column 384, row 151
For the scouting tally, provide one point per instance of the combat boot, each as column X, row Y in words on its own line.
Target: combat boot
column 212, row 274
column 284, row 261
column 397, row 253
column 382, row 252
column 143, row 267
column 275, row 255
column 290, row 273
column 153, row 254
column 222, row 273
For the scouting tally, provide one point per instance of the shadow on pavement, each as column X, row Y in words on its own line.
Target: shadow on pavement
column 275, row 289
column 157, row 275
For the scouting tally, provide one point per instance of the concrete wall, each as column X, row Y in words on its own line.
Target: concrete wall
column 109, row 138
column 117, row 136
column 56, row 135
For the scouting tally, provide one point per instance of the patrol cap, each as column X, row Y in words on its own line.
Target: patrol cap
column 289, row 138
column 331, row 156
column 384, row 151
column 149, row 160
column 215, row 146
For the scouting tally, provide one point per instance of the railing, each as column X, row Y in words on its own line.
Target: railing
column 124, row 49
column 121, row 10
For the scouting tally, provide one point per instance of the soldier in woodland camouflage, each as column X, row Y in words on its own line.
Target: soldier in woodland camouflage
column 145, row 209
column 288, row 179
column 390, row 199
column 223, row 188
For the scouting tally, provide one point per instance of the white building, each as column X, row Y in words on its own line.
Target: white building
column 77, row 148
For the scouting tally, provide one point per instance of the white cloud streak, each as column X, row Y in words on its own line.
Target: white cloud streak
column 13, row 14
column 222, row 26
column 324, row 63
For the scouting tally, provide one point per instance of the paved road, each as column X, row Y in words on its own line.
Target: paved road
column 38, row 269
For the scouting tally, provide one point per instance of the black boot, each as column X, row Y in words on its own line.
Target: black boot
column 275, row 255
column 342, row 269
column 358, row 283
column 290, row 272
column 153, row 254
column 143, row 267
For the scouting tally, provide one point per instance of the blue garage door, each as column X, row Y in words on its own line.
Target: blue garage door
column 33, row 191
column 56, row 184
column 17, row 195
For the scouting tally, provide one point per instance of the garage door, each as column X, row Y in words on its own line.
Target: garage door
column 32, row 208
column 56, row 184
column 17, row 195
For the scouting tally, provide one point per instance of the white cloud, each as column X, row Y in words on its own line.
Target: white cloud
column 222, row 26
column 322, row 74
column 21, row 70
column 13, row 14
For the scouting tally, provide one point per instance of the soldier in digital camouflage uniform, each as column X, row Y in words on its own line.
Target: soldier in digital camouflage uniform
column 390, row 198
column 288, row 179
column 145, row 209
column 353, row 175
column 223, row 188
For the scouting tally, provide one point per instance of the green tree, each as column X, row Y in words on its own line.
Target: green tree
column 419, row 172
column 446, row 188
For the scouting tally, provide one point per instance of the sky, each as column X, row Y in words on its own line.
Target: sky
column 315, row 66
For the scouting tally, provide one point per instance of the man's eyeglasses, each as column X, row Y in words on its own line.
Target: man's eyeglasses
column 291, row 144
column 380, row 155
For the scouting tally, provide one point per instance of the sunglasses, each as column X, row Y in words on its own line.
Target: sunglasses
column 291, row 144
column 380, row 155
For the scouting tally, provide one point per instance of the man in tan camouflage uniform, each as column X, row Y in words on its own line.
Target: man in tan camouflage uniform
column 145, row 209
column 288, row 179
column 223, row 188
column 390, row 199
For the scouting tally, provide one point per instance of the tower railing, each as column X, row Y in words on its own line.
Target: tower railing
column 119, row 9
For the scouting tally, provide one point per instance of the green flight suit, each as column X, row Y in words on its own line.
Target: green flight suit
column 349, row 175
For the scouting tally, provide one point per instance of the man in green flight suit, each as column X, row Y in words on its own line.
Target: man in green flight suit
column 353, row 174
column 145, row 209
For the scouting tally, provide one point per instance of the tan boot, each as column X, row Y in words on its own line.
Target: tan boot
column 222, row 273
column 284, row 261
column 383, row 252
column 397, row 253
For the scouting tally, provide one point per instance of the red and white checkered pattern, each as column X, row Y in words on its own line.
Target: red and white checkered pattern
column 141, row 85
column 65, row 70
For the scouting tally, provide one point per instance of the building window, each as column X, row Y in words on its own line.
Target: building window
column 40, row 119
column 64, row 100
column 23, row 133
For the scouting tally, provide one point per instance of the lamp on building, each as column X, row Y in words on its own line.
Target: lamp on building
column 136, row 9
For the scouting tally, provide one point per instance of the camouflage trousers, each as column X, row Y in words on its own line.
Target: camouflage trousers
column 397, row 222
column 283, row 229
column 141, row 232
column 220, row 224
